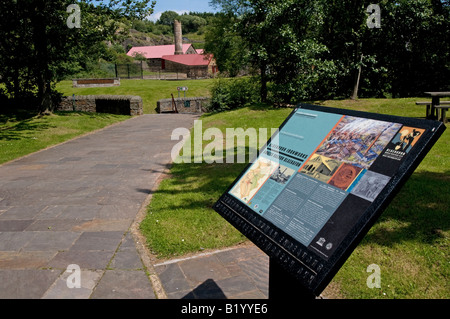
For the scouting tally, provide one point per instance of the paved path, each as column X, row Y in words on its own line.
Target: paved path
column 78, row 204
column 240, row 272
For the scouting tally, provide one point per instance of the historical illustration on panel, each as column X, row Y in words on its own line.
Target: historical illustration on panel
column 358, row 141
column 320, row 167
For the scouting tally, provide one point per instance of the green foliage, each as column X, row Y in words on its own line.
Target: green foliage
column 167, row 18
column 309, row 76
column 228, row 94
column 191, row 23
column 38, row 48
column 226, row 45
column 316, row 49
column 416, row 46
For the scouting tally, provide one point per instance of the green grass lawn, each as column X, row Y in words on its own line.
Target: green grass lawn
column 22, row 133
column 150, row 90
column 410, row 242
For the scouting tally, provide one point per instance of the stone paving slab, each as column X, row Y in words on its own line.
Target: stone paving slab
column 77, row 204
column 236, row 273
column 26, row 283
column 74, row 203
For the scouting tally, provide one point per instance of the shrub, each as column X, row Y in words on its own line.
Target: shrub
column 228, row 94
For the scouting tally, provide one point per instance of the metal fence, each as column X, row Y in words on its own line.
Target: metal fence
column 140, row 70
column 136, row 70
column 130, row 71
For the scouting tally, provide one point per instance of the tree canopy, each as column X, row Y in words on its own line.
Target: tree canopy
column 326, row 48
column 42, row 41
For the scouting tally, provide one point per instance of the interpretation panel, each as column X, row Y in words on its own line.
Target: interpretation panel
column 320, row 183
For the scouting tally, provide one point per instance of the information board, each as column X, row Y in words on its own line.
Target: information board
column 320, row 183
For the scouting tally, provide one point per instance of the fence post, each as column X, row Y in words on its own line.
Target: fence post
column 142, row 70
column 128, row 69
column 115, row 69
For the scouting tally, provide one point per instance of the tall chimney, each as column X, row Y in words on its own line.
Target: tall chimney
column 178, row 37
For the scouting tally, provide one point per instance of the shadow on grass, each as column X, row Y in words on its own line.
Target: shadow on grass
column 418, row 213
column 90, row 114
column 210, row 180
column 15, row 115
column 15, row 125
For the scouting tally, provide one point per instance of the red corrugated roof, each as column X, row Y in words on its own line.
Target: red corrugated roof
column 188, row 59
column 156, row 51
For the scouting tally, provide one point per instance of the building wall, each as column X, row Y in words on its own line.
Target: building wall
column 154, row 64
column 192, row 71
column 191, row 50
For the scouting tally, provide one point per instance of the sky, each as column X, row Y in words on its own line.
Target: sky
column 180, row 6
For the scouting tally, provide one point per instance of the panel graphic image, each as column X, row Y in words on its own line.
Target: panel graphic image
column 370, row 185
column 345, row 176
column 252, row 181
column 358, row 140
column 320, row 167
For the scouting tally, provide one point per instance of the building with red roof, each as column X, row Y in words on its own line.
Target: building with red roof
column 154, row 53
column 157, row 51
column 179, row 57
column 194, row 65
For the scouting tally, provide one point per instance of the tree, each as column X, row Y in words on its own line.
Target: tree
column 39, row 48
column 167, row 18
column 280, row 40
column 415, row 46
column 343, row 33
column 191, row 23
column 409, row 54
column 325, row 48
column 222, row 40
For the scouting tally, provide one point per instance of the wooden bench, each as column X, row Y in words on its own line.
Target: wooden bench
column 444, row 109
column 437, row 107
column 428, row 111
column 77, row 83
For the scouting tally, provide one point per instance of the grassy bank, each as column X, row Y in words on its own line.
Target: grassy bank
column 22, row 133
column 150, row 90
column 410, row 242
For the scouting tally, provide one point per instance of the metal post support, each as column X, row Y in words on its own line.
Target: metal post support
column 284, row 286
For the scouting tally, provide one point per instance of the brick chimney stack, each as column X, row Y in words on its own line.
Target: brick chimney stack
column 178, row 37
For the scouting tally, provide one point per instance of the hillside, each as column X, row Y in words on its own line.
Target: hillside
column 138, row 38
column 145, row 32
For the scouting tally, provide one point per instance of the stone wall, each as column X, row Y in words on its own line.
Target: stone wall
column 184, row 105
column 115, row 104
column 81, row 83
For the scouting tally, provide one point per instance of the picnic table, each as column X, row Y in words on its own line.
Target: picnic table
column 433, row 109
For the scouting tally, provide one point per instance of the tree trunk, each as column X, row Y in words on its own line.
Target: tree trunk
column 263, row 92
column 40, row 39
column 356, row 87
column 46, row 103
column 16, row 85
